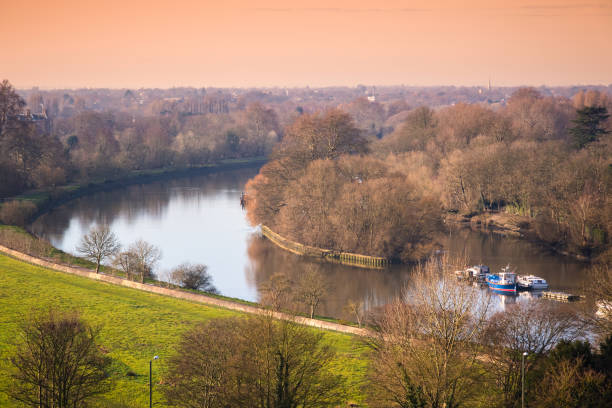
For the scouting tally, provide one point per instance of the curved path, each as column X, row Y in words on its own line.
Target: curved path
column 179, row 294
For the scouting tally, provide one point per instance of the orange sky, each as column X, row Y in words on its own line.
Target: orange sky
column 136, row 43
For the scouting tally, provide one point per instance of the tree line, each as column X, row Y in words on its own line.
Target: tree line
column 46, row 152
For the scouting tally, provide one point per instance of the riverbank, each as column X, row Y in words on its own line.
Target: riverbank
column 45, row 200
column 134, row 326
column 511, row 226
column 185, row 295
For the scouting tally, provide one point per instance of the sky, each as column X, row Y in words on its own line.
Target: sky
column 231, row 43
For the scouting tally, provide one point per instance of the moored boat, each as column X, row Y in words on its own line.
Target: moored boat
column 475, row 273
column 531, row 282
column 503, row 282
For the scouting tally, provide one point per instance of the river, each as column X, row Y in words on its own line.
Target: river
column 199, row 219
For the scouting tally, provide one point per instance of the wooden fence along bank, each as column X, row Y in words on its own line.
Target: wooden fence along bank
column 346, row 258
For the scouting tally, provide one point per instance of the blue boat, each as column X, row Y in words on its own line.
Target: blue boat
column 503, row 282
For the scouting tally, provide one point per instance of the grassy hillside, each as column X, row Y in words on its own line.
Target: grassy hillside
column 134, row 327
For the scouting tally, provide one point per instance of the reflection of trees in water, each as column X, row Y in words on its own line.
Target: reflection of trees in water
column 374, row 287
column 135, row 201
column 377, row 287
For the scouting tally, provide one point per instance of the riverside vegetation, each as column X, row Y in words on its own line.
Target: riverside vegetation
column 543, row 159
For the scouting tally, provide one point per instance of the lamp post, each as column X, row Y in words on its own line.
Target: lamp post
column 151, row 381
column 523, row 380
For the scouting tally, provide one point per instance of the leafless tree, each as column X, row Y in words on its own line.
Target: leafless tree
column 99, row 243
column 533, row 328
column 276, row 292
column 599, row 288
column 427, row 348
column 145, row 255
column 10, row 103
column 126, row 262
column 253, row 362
column 198, row 372
column 311, row 288
column 58, row 363
column 193, row 277
column 356, row 308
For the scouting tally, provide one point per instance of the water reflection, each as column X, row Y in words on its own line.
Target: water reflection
column 199, row 219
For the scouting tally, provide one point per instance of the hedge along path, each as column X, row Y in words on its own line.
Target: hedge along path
column 179, row 294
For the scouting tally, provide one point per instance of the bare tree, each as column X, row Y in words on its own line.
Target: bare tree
column 356, row 308
column 311, row 288
column 276, row 292
column 58, row 363
column 533, row 328
column 145, row 256
column 10, row 103
column 599, row 288
column 193, row 277
column 98, row 244
column 253, row 362
column 127, row 262
column 427, row 348
column 198, row 372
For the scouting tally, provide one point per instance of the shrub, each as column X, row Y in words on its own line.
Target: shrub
column 16, row 212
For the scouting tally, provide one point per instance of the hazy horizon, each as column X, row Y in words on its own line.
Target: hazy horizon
column 240, row 44
column 483, row 85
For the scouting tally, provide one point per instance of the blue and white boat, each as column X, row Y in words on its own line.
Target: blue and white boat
column 503, row 282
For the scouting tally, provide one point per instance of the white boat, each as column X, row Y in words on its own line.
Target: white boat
column 531, row 282
column 475, row 273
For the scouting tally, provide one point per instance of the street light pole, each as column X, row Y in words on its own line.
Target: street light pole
column 523, row 380
column 151, row 381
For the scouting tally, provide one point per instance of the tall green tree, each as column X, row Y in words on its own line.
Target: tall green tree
column 589, row 125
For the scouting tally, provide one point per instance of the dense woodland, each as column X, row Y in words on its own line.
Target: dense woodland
column 546, row 159
column 365, row 169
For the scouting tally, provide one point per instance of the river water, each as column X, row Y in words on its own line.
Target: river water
column 199, row 219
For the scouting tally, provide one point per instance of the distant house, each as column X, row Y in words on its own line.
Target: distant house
column 40, row 119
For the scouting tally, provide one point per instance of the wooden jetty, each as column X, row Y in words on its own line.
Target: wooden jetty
column 560, row 296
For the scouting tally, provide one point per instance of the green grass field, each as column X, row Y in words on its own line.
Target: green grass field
column 135, row 326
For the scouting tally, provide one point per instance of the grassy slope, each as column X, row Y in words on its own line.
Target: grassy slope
column 134, row 326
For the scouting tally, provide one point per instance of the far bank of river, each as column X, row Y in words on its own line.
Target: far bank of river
column 198, row 218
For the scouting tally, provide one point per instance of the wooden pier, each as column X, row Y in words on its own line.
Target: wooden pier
column 560, row 296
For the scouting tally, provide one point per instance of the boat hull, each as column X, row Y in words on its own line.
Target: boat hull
column 505, row 288
column 534, row 286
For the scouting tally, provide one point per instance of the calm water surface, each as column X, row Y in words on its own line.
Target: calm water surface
column 199, row 219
